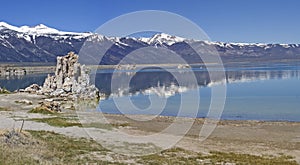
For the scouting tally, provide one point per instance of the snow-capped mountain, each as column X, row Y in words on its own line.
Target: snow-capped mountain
column 40, row 29
column 36, row 44
column 162, row 39
column 42, row 44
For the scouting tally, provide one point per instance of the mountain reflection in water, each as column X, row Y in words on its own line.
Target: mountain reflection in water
column 163, row 83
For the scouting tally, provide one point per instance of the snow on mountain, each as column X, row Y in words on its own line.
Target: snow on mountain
column 43, row 43
column 4, row 25
column 159, row 39
column 162, row 38
column 40, row 29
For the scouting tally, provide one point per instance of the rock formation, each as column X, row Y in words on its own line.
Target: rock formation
column 3, row 91
column 70, row 80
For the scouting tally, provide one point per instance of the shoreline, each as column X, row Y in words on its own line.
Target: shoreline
column 204, row 118
column 35, row 68
column 230, row 136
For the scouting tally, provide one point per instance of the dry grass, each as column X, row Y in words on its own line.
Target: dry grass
column 67, row 150
column 41, row 110
column 43, row 147
column 4, row 109
column 18, row 147
column 51, row 148
column 109, row 126
column 181, row 156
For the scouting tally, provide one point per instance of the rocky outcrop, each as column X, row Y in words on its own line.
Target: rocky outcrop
column 70, row 80
column 52, row 106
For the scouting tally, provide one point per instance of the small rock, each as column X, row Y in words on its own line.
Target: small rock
column 24, row 101
column 48, row 100
column 32, row 88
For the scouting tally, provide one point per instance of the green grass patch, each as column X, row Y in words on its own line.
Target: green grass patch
column 59, row 121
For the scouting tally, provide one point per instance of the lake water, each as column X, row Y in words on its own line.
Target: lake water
column 253, row 93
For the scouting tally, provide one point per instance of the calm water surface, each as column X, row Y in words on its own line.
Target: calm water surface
column 253, row 93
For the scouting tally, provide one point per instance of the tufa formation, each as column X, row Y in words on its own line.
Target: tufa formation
column 70, row 80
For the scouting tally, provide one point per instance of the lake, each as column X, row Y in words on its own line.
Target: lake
column 265, row 92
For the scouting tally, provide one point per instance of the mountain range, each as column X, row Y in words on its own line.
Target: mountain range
column 43, row 44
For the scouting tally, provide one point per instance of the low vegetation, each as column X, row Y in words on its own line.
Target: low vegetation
column 250, row 159
column 15, row 147
column 98, row 125
column 68, row 150
column 51, row 148
column 106, row 126
column 4, row 109
column 59, row 121
column 44, row 147
column 181, row 156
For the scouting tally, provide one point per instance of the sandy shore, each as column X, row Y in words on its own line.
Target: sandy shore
column 249, row 137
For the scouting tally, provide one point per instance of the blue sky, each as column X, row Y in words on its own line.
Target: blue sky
column 264, row 21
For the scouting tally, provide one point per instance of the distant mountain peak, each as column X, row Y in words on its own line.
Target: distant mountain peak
column 41, row 26
column 4, row 24
column 7, row 26
column 39, row 29
column 162, row 38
